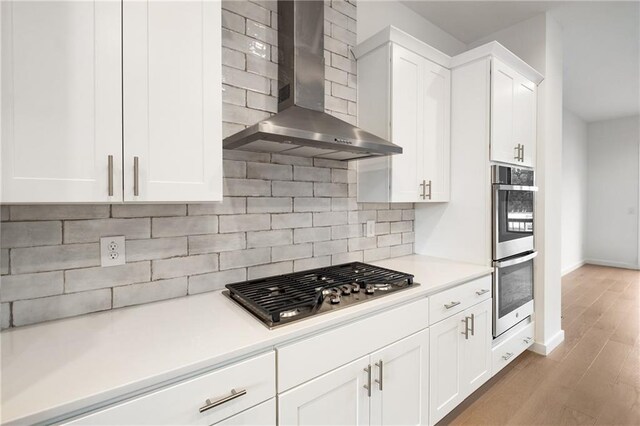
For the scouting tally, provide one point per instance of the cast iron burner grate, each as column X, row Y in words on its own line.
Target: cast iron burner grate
column 280, row 298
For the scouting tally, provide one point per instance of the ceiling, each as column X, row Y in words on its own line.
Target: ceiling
column 601, row 45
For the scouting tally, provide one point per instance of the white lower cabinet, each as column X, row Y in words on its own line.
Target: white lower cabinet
column 460, row 358
column 335, row 398
column 392, row 368
column 513, row 342
column 387, row 387
column 204, row 400
column 400, row 394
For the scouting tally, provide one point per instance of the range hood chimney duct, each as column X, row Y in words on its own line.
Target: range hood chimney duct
column 301, row 127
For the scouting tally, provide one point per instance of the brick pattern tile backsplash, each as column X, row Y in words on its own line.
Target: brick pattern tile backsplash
column 280, row 214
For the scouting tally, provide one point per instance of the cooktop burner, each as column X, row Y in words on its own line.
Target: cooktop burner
column 286, row 298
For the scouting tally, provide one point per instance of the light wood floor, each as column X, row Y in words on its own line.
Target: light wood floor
column 591, row 378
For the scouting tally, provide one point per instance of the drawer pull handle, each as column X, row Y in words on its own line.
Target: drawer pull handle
column 507, row 356
column 451, row 305
column 483, row 291
column 212, row 404
column 527, row 340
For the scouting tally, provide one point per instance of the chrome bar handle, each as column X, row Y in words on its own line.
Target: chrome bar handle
column 527, row 340
column 451, row 305
column 507, row 355
column 424, row 189
column 429, row 185
column 380, row 366
column 212, row 404
column 521, row 152
column 473, row 324
column 483, row 291
column 368, row 385
column 136, row 178
column 110, row 175
column 466, row 328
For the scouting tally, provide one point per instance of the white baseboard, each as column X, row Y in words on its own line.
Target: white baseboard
column 612, row 264
column 548, row 347
column 573, row 267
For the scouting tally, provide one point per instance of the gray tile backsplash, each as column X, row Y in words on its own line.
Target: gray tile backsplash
column 280, row 213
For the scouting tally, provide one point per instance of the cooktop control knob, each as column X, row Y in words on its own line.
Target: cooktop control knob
column 355, row 288
column 346, row 290
column 370, row 289
column 334, row 298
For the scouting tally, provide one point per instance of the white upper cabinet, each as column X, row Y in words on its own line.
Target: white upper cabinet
column 64, row 101
column 172, row 101
column 61, row 102
column 513, row 116
column 405, row 97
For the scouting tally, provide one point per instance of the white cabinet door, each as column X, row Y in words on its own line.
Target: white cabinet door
column 401, row 382
column 61, row 101
column 513, row 116
column 172, row 101
column 335, row 398
column 407, row 104
column 262, row 414
column 476, row 360
column 445, row 359
column 524, row 120
column 504, row 85
column 436, row 122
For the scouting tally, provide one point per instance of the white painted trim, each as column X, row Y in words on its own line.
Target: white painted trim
column 392, row 34
column 573, row 267
column 548, row 347
column 613, row 264
column 496, row 50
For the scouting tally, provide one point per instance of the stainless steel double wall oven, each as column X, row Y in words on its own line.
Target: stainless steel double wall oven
column 513, row 245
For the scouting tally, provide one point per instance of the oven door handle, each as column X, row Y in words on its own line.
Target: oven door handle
column 516, row 188
column 516, row 261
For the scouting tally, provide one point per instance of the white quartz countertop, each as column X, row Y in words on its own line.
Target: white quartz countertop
column 52, row 369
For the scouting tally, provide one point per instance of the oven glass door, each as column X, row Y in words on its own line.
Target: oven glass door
column 513, row 292
column 513, row 224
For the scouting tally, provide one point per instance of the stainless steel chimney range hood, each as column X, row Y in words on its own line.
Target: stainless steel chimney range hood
column 301, row 127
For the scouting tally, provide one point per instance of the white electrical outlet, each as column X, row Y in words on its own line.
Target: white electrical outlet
column 371, row 228
column 112, row 251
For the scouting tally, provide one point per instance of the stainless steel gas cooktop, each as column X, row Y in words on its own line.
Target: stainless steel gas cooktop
column 283, row 299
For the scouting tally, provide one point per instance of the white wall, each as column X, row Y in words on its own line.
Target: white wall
column 574, row 191
column 526, row 39
column 374, row 16
column 612, row 212
column 548, row 290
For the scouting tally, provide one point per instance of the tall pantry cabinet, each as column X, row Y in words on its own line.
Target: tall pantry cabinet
column 111, row 101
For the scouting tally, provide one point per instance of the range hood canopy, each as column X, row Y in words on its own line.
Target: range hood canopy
column 301, row 127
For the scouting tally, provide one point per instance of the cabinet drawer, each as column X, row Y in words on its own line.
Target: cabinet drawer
column 180, row 403
column 303, row 360
column 450, row 302
column 508, row 350
column 263, row 414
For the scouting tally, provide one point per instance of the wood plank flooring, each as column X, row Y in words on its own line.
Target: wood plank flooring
column 592, row 378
